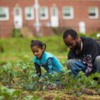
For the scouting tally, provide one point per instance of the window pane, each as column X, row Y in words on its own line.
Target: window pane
column 43, row 13
column 93, row 12
column 54, row 11
column 4, row 13
column 29, row 13
column 67, row 12
column 17, row 11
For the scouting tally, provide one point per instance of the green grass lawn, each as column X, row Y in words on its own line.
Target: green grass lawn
column 16, row 48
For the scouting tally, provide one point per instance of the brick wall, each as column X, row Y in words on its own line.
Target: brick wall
column 80, row 14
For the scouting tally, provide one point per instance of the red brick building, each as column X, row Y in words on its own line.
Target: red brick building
column 40, row 16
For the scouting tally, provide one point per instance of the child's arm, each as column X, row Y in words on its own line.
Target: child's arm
column 50, row 65
column 38, row 69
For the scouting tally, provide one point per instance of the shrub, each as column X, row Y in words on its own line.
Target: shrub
column 16, row 33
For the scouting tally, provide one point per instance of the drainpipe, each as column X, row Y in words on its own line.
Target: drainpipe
column 37, row 23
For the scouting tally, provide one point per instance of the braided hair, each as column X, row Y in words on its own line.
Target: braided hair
column 37, row 43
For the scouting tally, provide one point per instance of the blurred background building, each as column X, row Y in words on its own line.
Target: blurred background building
column 43, row 17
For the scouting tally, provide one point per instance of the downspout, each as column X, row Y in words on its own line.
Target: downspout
column 37, row 23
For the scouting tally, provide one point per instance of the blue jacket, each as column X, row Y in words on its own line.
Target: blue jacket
column 49, row 62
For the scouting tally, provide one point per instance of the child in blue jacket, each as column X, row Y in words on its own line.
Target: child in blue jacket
column 44, row 59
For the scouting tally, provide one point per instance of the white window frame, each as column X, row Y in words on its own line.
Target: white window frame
column 6, row 9
column 96, row 13
column 19, row 11
column 71, row 11
column 46, row 13
column 31, row 12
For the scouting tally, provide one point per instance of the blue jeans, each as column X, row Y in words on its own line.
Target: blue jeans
column 97, row 64
column 76, row 65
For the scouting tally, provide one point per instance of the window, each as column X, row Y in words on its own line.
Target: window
column 67, row 12
column 93, row 12
column 17, row 11
column 54, row 11
column 29, row 13
column 43, row 13
column 4, row 13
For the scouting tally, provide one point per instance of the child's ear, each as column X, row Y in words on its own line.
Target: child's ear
column 43, row 48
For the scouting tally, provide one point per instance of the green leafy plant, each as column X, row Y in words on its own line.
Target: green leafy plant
column 8, row 94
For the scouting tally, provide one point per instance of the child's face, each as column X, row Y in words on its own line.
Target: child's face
column 37, row 51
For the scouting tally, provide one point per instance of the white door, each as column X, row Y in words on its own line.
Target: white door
column 82, row 27
column 18, row 22
column 54, row 17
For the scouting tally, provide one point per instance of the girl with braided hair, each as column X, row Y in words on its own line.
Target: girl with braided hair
column 44, row 59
